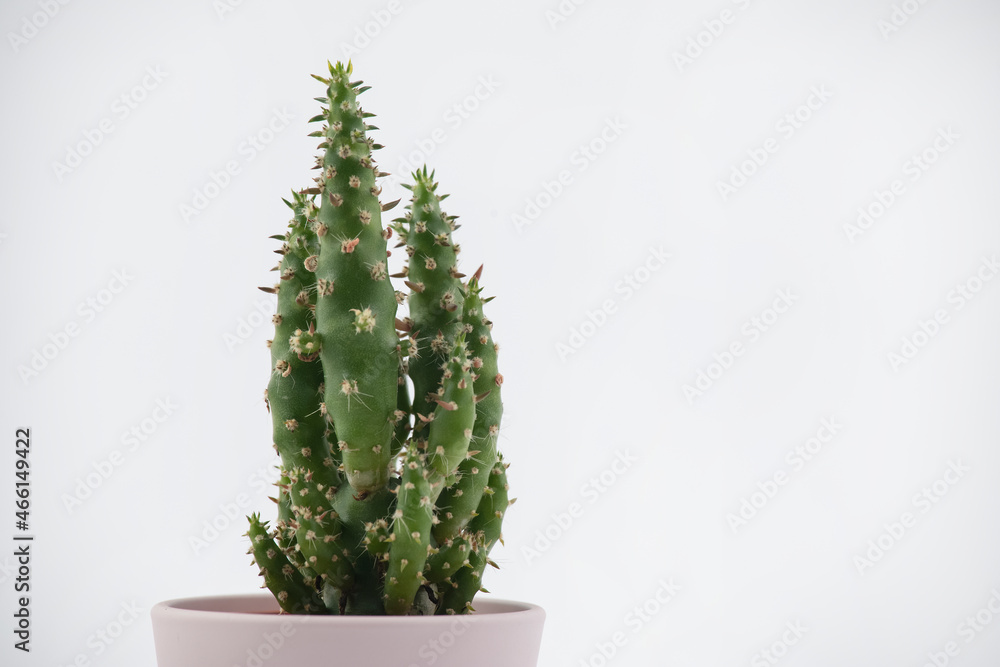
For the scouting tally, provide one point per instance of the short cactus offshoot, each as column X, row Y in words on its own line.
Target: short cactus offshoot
column 387, row 503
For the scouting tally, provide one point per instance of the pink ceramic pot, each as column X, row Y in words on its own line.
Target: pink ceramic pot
column 247, row 631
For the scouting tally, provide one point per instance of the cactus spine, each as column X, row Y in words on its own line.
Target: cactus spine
column 387, row 504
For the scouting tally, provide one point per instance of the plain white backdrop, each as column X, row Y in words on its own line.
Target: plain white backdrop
column 745, row 259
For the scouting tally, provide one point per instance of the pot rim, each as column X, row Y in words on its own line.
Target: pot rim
column 260, row 608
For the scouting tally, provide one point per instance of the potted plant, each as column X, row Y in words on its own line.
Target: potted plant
column 388, row 504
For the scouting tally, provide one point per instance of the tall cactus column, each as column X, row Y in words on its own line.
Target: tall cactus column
column 294, row 389
column 458, row 503
column 486, row 525
column 299, row 426
column 435, row 298
column 293, row 392
column 356, row 304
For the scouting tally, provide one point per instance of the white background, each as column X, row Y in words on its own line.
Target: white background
column 595, row 370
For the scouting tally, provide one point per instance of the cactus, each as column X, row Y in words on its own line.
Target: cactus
column 387, row 503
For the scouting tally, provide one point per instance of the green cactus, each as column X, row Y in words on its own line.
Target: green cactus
column 435, row 299
column 486, row 528
column 459, row 502
column 387, row 503
column 355, row 304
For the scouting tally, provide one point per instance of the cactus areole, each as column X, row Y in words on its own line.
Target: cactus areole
column 387, row 503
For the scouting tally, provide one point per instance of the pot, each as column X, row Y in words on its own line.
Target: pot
column 248, row 631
